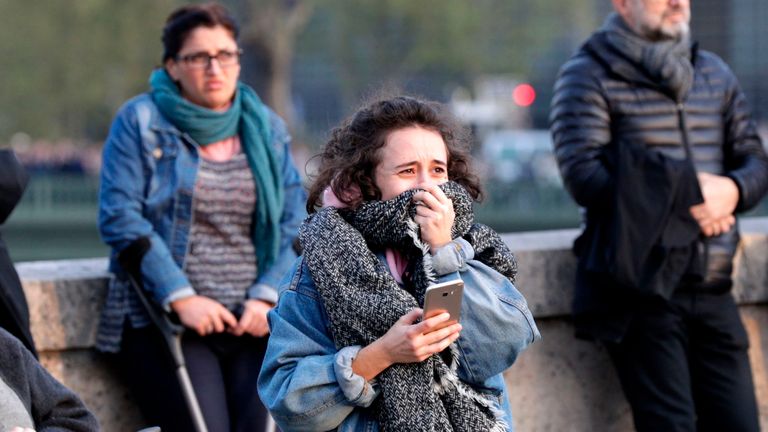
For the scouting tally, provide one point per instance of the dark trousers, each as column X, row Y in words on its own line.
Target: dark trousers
column 223, row 370
column 683, row 366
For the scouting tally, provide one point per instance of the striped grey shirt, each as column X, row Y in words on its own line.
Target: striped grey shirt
column 221, row 262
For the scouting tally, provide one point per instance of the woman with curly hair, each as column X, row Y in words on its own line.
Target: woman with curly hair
column 391, row 215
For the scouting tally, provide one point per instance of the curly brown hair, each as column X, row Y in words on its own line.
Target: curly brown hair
column 350, row 156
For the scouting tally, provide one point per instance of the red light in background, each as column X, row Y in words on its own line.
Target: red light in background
column 524, row 95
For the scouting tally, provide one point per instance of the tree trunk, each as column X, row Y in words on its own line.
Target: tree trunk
column 272, row 28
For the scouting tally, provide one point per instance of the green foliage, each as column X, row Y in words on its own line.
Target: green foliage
column 375, row 42
column 67, row 65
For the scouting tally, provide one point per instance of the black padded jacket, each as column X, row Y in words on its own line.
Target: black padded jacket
column 602, row 98
column 14, row 312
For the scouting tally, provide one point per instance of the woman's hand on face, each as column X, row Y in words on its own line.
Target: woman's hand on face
column 204, row 315
column 435, row 216
column 254, row 319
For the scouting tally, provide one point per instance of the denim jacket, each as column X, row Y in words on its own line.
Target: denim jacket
column 147, row 190
column 309, row 385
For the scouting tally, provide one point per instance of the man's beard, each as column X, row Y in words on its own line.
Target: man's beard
column 656, row 31
column 671, row 32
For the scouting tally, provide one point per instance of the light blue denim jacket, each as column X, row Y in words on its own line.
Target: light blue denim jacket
column 147, row 183
column 309, row 385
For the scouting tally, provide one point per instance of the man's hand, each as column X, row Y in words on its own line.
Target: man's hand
column 715, row 214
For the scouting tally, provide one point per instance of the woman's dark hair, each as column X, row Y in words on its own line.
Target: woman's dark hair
column 350, row 156
column 187, row 18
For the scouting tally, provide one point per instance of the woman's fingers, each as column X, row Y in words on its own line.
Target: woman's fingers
column 433, row 198
column 257, row 327
column 203, row 328
column 243, row 325
column 227, row 317
column 433, row 193
column 433, row 323
column 204, row 315
column 217, row 323
column 434, row 215
column 206, row 326
column 406, row 342
column 410, row 317
column 254, row 319
column 219, row 318
column 437, row 341
column 260, row 329
column 436, row 329
column 194, row 313
column 416, row 331
column 426, row 200
column 441, row 344
column 442, row 334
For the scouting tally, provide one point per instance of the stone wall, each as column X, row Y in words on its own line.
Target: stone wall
column 65, row 298
column 560, row 383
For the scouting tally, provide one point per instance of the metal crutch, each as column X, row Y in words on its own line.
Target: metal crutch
column 130, row 260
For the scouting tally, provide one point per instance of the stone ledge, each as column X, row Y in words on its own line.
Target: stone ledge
column 547, row 267
column 65, row 299
column 78, row 269
column 558, row 384
column 565, row 384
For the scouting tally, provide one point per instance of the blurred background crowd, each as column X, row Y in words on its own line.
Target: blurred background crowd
column 67, row 67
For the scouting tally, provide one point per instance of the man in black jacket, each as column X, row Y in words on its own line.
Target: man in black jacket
column 14, row 315
column 661, row 304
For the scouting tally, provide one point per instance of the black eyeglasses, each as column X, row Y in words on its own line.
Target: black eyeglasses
column 202, row 60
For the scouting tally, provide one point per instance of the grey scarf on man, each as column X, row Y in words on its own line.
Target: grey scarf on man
column 363, row 301
column 666, row 62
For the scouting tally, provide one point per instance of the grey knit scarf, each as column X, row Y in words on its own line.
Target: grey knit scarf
column 667, row 62
column 363, row 301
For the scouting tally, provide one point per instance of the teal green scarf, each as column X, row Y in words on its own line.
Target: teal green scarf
column 249, row 117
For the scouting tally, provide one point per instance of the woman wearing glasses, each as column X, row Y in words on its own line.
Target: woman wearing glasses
column 200, row 168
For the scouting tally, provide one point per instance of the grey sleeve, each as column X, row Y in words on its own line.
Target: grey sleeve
column 53, row 406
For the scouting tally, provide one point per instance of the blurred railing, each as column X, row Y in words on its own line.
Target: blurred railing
column 527, row 206
column 54, row 197
column 56, row 218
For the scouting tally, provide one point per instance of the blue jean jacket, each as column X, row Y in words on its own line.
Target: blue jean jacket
column 309, row 385
column 147, row 190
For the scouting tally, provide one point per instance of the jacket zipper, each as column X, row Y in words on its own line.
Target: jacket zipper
column 701, row 244
column 684, row 130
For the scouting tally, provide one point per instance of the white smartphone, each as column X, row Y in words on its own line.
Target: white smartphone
column 444, row 297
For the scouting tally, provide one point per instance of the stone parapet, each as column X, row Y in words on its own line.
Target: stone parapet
column 560, row 383
column 65, row 300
